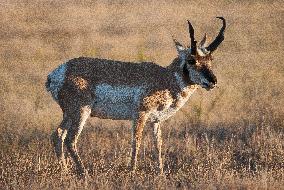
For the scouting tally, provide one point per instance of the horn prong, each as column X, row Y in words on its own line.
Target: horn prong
column 203, row 41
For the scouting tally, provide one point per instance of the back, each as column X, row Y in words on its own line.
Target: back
column 116, row 73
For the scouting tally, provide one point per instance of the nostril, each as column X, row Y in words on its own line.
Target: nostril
column 213, row 82
column 215, row 79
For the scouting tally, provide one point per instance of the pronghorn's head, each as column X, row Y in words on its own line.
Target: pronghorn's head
column 196, row 60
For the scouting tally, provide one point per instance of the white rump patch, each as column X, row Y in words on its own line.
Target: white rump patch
column 117, row 102
column 56, row 78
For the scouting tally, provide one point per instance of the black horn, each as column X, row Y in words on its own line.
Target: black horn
column 192, row 40
column 218, row 40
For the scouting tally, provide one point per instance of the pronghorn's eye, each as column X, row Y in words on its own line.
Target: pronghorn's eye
column 191, row 62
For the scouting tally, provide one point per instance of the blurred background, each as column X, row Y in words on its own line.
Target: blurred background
column 37, row 36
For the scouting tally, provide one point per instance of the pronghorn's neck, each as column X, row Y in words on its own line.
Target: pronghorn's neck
column 185, row 87
column 181, row 92
column 181, row 74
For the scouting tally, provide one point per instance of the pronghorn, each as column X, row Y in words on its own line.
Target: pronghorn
column 142, row 92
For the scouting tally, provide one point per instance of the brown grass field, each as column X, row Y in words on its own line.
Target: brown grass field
column 228, row 138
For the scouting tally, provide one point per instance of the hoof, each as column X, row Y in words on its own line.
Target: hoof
column 83, row 175
column 132, row 168
column 159, row 171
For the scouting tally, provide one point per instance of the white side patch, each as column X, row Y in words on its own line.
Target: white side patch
column 56, row 77
column 117, row 102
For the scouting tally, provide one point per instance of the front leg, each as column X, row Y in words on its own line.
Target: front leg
column 157, row 134
column 137, row 131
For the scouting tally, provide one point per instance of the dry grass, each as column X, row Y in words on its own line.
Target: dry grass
column 230, row 138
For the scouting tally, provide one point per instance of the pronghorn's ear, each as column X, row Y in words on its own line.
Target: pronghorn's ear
column 203, row 41
column 178, row 45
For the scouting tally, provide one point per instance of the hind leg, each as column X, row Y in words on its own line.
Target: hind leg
column 58, row 138
column 78, row 121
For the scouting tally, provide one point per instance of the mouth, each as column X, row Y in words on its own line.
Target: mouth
column 207, row 86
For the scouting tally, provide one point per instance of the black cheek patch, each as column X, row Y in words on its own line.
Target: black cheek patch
column 209, row 75
column 191, row 62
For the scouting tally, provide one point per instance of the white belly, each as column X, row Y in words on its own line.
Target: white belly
column 162, row 115
column 119, row 102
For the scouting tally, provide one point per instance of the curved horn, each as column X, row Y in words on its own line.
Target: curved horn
column 220, row 37
column 192, row 40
